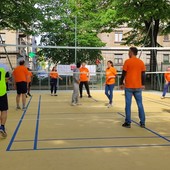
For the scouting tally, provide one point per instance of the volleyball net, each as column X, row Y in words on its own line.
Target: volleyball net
column 41, row 70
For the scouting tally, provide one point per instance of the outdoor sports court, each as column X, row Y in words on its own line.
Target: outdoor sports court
column 52, row 134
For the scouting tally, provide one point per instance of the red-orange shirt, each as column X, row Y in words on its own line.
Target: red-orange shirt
column 54, row 74
column 84, row 72
column 167, row 76
column 29, row 76
column 20, row 74
column 134, row 68
column 110, row 72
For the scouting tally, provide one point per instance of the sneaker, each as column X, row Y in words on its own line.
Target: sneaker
column 142, row 125
column 24, row 108
column 81, row 96
column 89, row 96
column 73, row 104
column 52, row 95
column 109, row 105
column 18, row 108
column 55, row 95
column 162, row 97
column 29, row 94
column 126, row 125
column 3, row 132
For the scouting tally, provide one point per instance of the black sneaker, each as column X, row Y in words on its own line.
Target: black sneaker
column 126, row 125
column 3, row 132
column 142, row 125
column 89, row 96
column 29, row 94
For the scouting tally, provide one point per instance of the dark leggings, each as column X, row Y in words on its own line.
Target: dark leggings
column 53, row 83
column 86, row 84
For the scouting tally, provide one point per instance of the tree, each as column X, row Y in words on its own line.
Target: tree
column 19, row 15
column 59, row 30
column 143, row 16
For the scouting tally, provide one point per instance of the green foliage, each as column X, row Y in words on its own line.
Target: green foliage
column 19, row 14
column 60, row 31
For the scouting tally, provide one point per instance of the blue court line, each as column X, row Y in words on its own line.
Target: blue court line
column 17, row 128
column 37, row 125
column 150, row 130
column 83, row 139
column 95, row 147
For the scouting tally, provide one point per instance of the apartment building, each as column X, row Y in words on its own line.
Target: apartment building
column 114, row 39
column 9, row 54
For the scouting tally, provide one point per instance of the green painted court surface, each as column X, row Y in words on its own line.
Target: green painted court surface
column 52, row 134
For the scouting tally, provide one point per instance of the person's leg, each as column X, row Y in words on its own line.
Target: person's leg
column 107, row 91
column 55, row 86
column 138, row 98
column 165, row 89
column 111, row 87
column 23, row 100
column 86, row 83
column 128, row 101
column 81, row 89
column 18, row 100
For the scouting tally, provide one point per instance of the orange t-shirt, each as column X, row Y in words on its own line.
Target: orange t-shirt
column 84, row 72
column 29, row 76
column 110, row 72
column 134, row 68
column 20, row 74
column 167, row 76
column 54, row 74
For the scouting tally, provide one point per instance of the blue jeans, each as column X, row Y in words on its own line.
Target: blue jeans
column 137, row 93
column 165, row 89
column 109, row 92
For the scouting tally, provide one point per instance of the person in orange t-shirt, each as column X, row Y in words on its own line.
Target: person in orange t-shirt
column 134, row 75
column 167, row 82
column 20, row 76
column 84, row 80
column 110, row 81
column 53, row 80
column 30, row 76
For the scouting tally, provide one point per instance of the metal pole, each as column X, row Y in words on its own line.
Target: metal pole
column 75, row 39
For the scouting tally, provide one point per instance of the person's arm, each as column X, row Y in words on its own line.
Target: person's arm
column 7, row 76
column 60, row 77
column 13, row 76
column 122, row 77
column 143, row 78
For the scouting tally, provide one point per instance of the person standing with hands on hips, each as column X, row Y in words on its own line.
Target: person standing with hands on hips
column 134, row 75
column 53, row 81
column 84, row 80
column 110, row 82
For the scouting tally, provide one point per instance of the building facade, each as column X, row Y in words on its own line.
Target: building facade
column 114, row 39
column 10, row 54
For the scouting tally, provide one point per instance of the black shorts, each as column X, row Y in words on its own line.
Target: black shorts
column 21, row 87
column 3, row 103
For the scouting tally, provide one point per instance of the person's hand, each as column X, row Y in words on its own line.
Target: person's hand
column 104, row 83
column 61, row 78
column 122, row 87
column 143, row 87
column 14, row 86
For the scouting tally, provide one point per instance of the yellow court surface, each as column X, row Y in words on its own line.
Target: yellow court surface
column 52, row 134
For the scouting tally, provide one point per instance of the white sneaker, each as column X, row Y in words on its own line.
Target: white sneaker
column 162, row 97
column 109, row 105
column 73, row 104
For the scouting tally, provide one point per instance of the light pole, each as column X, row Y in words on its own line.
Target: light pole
column 75, row 39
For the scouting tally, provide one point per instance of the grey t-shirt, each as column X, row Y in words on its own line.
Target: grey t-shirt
column 76, row 75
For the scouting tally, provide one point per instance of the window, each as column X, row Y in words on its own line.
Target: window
column 166, row 58
column 118, row 59
column 118, row 36
column 2, row 37
column 166, row 38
